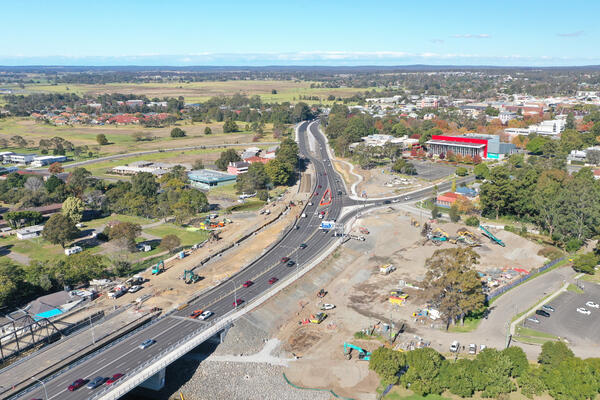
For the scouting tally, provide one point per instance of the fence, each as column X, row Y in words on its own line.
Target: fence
column 495, row 293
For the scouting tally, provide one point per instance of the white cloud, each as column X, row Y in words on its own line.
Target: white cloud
column 472, row 36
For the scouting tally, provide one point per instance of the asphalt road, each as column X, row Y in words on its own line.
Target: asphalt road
column 124, row 356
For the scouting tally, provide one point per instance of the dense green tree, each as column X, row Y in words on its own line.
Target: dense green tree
column 301, row 112
column 531, row 382
column 230, row 126
column 101, row 139
column 170, row 243
column 453, row 213
column 387, row 363
column 481, row 171
column 423, row 373
column 280, row 173
column 198, row 164
column 586, row 263
column 17, row 219
column 79, row 180
column 571, row 379
column 123, row 234
column 498, row 193
column 461, row 171
column 535, row 145
column 229, row 155
column 73, row 208
column 554, row 352
column 255, row 179
column 144, row 184
column 288, row 152
column 207, row 131
column 53, row 183
column 60, row 229
column 177, row 132
column 518, row 361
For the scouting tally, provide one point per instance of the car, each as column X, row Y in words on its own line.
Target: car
column 387, row 202
column 316, row 193
column 542, row 313
column 548, row 308
column 319, row 186
column 303, row 246
column 482, row 347
column 320, row 216
column 134, row 288
column 533, row 319
column 76, row 385
column 273, row 280
column 114, row 378
column 326, row 307
column 583, row 310
column 248, row 284
column 592, row 304
column 472, row 348
column 454, row 346
column 310, row 203
column 322, row 212
column 290, row 263
column 324, row 173
column 196, row 313
column 205, row 315
column 285, row 259
column 97, row 381
column 147, row 343
column 237, row 302
column 339, row 192
column 406, row 198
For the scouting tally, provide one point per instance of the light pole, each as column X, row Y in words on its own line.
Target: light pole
column 43, row 385
column 92, row 330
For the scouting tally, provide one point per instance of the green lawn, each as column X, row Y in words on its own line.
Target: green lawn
column 249, row 205
column 531, row 336
column 595, row 278
column 118, row 217
column 574, row 289
column 187, row 236
column 37, row 248
column 469, row 326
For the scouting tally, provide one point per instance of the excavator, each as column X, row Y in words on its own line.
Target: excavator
column 190, row 277
column 158, row 268
column 362, row 353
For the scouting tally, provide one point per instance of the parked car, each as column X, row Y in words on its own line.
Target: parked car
column 76, row 385
column 472, row 348
column 303, row 246
column 237, row 302
column 454, row 346
column 285, row 259
column 114, row 378
column 134, row 288
column 291, row 263
column 542, row 313
column 146, row 343
column 97, row 381
column 482, row 347
column 592, row 304
column 205, row 315
column 248, row 284
column 583, row 310
column 548, row 308
column 273, row 280
column 326, row 307
column 533, row 319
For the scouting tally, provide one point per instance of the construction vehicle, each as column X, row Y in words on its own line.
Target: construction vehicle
column 363, row 230
column 158, row 268
column 399, row 299
column 489, row 235
column 362, row 353
column 318, row 318
column 386, row 269
column 321, row 293
column 414, row 222
column 190, row 277
column 117, row 291
column 134, row 280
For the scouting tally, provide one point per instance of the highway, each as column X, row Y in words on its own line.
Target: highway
column 124, row 356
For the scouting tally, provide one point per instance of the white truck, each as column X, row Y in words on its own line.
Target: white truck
column 117, row 291
column 386, row 269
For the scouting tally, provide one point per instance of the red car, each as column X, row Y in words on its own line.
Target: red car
column 273, row 280
column 114, row 378
column 319, row 186
column 196, row 313
column 248, row 284
column 76, row 385
column 285, row 259
column 316, row 194
column 237, row 302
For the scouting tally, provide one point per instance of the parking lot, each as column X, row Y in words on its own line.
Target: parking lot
column 432, row 171
column 566, row 322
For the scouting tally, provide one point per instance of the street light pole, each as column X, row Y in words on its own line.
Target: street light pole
column 92, row 330
column 43, row 385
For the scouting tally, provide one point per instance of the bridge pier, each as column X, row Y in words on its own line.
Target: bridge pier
column 156, row 382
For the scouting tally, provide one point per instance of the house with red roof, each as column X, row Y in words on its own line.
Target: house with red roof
column 446, row 200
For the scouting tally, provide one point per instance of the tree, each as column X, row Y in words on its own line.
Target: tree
column 60, row 229
column 207, row 130
column 34, row 184
column 73, row 208
column 531, row 383
column 518, row 361
column 472, row 221
column 144, row 184
column 124, row 234
column 423, row 372
column 461, row 171
column 455, row 287
column 227, row 156
column 535, row 145
column 554, row 352
column 55, row 168
column 586, row 263
column 230, row 126
column 481, row 171
column 17, row 219
column 177, row 132
column 497, row 193
column 280, row 173
column 453, row 213
column 53, row 183
column 492, row 111
column 198, row 164
column 387, row 363
column 101, row 139
column 435, row 212
column 593, row 156
column 256, row 178
column 288, row 152
column 78, row 181
column 170, row 243
column 301, row 112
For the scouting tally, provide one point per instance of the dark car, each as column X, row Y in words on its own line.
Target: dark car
column 114, row 378
column 76, row 385
column 285, row 259
column 303, row 246
column 273, row 280
column 97, row 381
column 319, row 186
column 548, row 308
column 316, row 193
column 290, row 263
column 339, row 192
column 387, row 202
column 248, row 284
column 237, row 302
column 542, row 313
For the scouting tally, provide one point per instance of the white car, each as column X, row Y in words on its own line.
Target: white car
column 592, row 304
column 134, row 288
column 205, row 315
column 326, row 306
column 585, row 311
column 472, row 348
column 533, row 319
column 482, row 347
column 454, row 346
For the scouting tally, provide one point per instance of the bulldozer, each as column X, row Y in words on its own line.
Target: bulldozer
column 318, row 318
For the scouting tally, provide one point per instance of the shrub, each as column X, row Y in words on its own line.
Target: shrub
column 177, row 133
column 573, row 245
column 472, row 221
column 461, row 171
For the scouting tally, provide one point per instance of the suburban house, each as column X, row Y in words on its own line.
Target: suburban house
column 446, row 200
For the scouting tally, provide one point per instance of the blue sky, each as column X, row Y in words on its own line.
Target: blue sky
column 294, row 32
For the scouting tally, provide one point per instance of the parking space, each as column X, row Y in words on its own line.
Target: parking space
column 432, row 171
column 566, row 322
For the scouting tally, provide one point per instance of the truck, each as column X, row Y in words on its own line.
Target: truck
column 117, row 291
column 386, row 269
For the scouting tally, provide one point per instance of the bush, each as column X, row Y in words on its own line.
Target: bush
column 101, row 139
column 472, row 221
column 177, row 133
column 550, row 252
column 207, row 130
column 461, row 171
column 454, row 217
column 262, row 195
column 573, row 245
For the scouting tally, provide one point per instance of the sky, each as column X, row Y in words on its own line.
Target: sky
column 294, row 32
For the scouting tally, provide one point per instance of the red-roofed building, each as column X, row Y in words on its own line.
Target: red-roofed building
column 255, row 159
column 446, row 200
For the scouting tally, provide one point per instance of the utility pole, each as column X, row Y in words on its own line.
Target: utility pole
column 92, row 330
column 43, row 385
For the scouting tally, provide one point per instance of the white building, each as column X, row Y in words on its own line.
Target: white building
column 40, row 161
column 549, row 128
column 29, row 232
column 21, row 158
column 506, row 116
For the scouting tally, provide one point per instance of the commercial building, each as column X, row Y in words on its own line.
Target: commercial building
column 40, row 161
column 445, row 200
column 471, row 144
column 238, row 167
column 20, row 158
column 207, row 178
column 155, row 168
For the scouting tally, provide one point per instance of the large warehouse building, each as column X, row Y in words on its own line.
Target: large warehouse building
column 471, row 144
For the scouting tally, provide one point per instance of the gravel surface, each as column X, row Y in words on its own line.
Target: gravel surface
column 243, row 338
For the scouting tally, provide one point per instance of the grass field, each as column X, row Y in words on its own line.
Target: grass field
column 531, row 336
column 291, row 91
column 188, row 237
column 469, row 326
